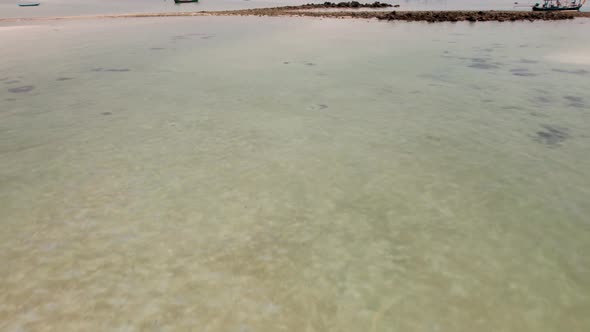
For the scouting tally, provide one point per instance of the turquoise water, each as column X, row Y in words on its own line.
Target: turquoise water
column 272, row 174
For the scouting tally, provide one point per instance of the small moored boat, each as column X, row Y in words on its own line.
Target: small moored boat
column 185, row 1
column 29, row 4
column 556, row 5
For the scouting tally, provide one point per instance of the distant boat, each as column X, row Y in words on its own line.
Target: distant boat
column 30, row 4
column 556, row 5
column 185, row 1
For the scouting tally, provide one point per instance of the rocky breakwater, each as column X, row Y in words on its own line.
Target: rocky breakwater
column 351, row 4
column 476, row 16
column 314, row 10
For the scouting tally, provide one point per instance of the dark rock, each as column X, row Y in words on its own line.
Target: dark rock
column 483, row 65
column 429, row 16
column 552, row 135
column 352, row 4
column 21, row 89
column 433, row 138
column 477, row 16
column 318, row 107
column 521, row 72
column 575, row 101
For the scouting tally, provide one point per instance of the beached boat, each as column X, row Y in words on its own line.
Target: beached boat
column 556, row 5
column 30, row 4
column 185, row 1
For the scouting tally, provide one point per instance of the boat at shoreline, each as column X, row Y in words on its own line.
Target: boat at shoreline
column 185, row 1
column 556, row 5
column 31, row 4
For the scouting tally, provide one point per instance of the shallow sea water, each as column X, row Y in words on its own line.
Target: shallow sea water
column 273, row 174
column 9, row 8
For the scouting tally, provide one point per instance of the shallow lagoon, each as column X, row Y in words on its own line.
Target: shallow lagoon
column 268, row 174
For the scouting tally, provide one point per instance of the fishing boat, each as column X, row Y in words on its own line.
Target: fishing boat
column 185, row 1
column 29, row 4
column 556, row 5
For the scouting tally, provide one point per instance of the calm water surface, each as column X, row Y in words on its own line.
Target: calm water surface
column 9, row 8
column 265, row 174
